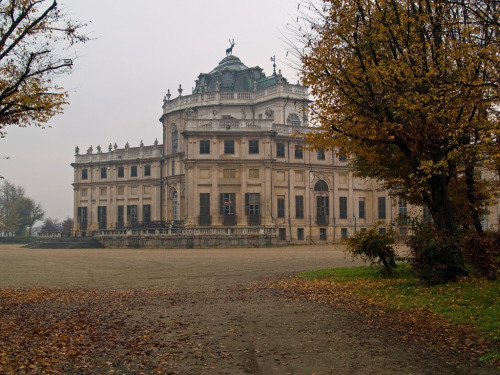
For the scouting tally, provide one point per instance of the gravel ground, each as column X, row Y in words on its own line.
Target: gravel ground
column 207, row 311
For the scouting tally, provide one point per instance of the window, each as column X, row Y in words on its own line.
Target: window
column 300, row 234
column 146, row 213
column 426, row 215
column 321, row 186
column 343, row 233
column 173, row 168
column 121, row 172
column 228, row 208
column 322, row 210
column 227, row 79
column 342, row 156
column 133, row 171
column 280, row 150
column 361, row 208
column 175, row 208
column 321, row 155
column 322, row 234
column 104, row 172
column 82, row 217
column 403, row 212
column 381, row 231
column 101, row 217
column 147, row 170
column 299, row 206
column 381, row 208
column 299, row 153
column 293, row 119
column 131, row 214
column 252, row 208
column 281, row 207
column 204, row 209
column 229, row 146
column 205, row 146
column 120, row 219
column 282, row 234
column 84, row 174
column 343, row 207
column 253, row 146
column 175, row 140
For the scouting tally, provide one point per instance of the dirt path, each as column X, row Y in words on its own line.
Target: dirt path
column 206, row 312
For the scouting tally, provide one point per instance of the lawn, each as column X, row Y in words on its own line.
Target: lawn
column 470, row 302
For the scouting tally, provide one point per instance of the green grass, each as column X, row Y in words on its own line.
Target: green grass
column 472, row 301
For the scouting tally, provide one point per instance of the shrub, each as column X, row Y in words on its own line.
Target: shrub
column 374, row 247
column 436, row 256
column 481, row 250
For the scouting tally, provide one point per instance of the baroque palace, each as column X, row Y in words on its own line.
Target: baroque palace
column 230, row 172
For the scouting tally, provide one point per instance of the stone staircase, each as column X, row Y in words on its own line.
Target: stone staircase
column 65, row 243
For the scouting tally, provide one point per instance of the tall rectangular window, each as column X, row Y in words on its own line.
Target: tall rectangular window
column 121, row 172
column 299, row 153
column 300, row 234
column 204, row 209
column 361, row 208
column 104, row 172
column 82, row 218
column 252, row 208
column 131, row 214
column 403, row 212
column 121, row 217
column 229, row 146
column 101, row 217
column 343, row 233
column 84, row 173
column 133, row 171
column 228, row 208
column 281, row 207
column 146, row 213
column 173, row 168
column 280, row 150
column 147, row 170
column 282, row 234
column 321, row 154
column 205, row 146
column 253, row 146
column 381, row 208
column 343, row 207
column 322, row 210
column 299, row 206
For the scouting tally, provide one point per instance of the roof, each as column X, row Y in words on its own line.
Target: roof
column 232, row 75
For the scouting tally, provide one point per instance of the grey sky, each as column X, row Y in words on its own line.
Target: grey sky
column 140, row 50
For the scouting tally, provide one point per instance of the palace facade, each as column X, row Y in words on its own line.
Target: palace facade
column 232, row 170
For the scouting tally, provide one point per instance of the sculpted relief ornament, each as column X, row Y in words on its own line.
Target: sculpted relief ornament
column 269, row 113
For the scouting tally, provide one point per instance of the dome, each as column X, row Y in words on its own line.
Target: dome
column 232, row 75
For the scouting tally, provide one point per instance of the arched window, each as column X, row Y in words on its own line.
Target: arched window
column 293, row 119
column 321, row 186
column 227, row 79
column 175, row 208
column 175, row 141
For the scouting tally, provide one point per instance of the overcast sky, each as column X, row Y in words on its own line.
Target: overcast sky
column 140, row 49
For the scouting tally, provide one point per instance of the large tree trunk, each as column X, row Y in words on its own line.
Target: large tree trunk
column 440, row 205
column 471, row 196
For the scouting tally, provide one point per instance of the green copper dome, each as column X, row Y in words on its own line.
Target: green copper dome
column 232, row 75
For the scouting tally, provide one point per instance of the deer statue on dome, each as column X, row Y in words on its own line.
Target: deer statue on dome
column 229, row 51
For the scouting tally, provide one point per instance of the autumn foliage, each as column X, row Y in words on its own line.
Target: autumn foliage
column 34, row 40
column 410, row 89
